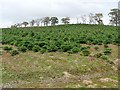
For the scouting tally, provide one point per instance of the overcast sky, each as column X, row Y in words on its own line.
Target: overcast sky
column 17, row 11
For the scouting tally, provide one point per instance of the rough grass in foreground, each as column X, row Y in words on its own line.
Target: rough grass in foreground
column 59, row 69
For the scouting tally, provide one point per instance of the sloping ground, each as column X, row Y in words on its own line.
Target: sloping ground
column 60, row 70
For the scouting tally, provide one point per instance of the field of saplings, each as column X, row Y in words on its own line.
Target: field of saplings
column 61, row 56
column 66, row 38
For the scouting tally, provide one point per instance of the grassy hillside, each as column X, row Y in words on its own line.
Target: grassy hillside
column 64, row 56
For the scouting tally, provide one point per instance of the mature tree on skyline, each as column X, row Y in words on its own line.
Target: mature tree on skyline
column 98, row 18
column 46, row 21
column 65, row 20
column 54, row 20
column 92, row 19
column 18, row 25
column 113, row 14
column 13, row 26
column 32, row 23
column 25, row 23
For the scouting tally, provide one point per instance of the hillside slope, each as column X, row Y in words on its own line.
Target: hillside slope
column 64, row 56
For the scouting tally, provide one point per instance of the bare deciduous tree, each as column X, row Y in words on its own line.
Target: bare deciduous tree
column 83, row 17
column 77, row 18
column 91, row 18
column 37, row 21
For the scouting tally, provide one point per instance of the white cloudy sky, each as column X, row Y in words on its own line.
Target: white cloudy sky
column 17, row 11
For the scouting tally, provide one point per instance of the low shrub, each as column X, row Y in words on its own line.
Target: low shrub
column 0, row 52
column 16, row 43
column 42, row 51
column 77, row 45
column 98, row 55
column 36, row 48
column 83, row 48
column 111, row 62
column 7, row 48
column 95, row 42
column 60, row 50
column 45, row 46
column 105, row 46
column 66, row 48
column 89, row 43
column 96, row 48
column 100, row 43
column 10, row 48
column 91, row 55
column 88, row 47
column 70, row 52
column 75, row 49
column 19, row 45
column 30, row 46
column 86, row 52
column 107, row 41
column 52, row 48
column 11, row 43
column 104, row 57
column 22, row 48
column 14, row 52
column 107, row 51
column 42, row 43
